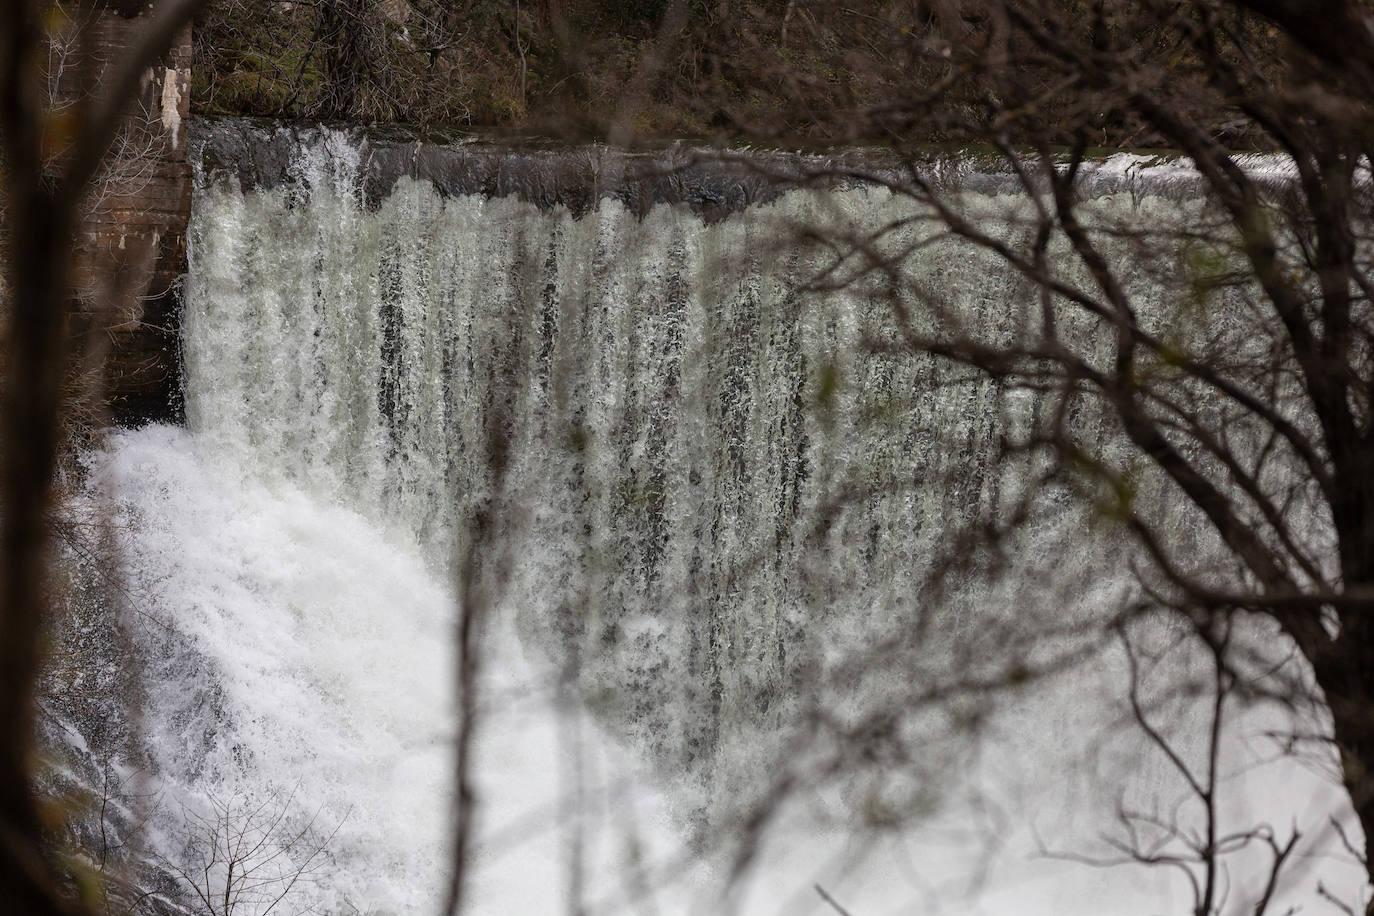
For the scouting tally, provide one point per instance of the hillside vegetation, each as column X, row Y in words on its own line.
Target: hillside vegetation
column 571, row 67
column 770, row 70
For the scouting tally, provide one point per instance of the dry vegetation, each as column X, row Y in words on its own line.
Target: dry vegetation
column 580, row 67
column 782, row 70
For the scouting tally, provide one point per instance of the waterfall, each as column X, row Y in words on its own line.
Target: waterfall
column 721, row 497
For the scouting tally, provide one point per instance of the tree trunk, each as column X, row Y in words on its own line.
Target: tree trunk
column 345, row 30
column 1346, row 679
column 37, row 292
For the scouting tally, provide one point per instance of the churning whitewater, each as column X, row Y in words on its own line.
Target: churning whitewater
column 720, row 501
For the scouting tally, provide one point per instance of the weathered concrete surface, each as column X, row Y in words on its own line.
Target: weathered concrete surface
column 255, row 153
column 133, row 253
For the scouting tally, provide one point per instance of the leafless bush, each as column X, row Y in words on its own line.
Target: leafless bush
column 245, row 856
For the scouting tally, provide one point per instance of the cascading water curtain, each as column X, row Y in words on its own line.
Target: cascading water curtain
column 725, row 487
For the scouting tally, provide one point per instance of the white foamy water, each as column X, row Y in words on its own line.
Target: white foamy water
column 303, row 652
column 301, row 659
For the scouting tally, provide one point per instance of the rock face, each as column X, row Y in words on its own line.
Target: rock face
column 132, row 256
